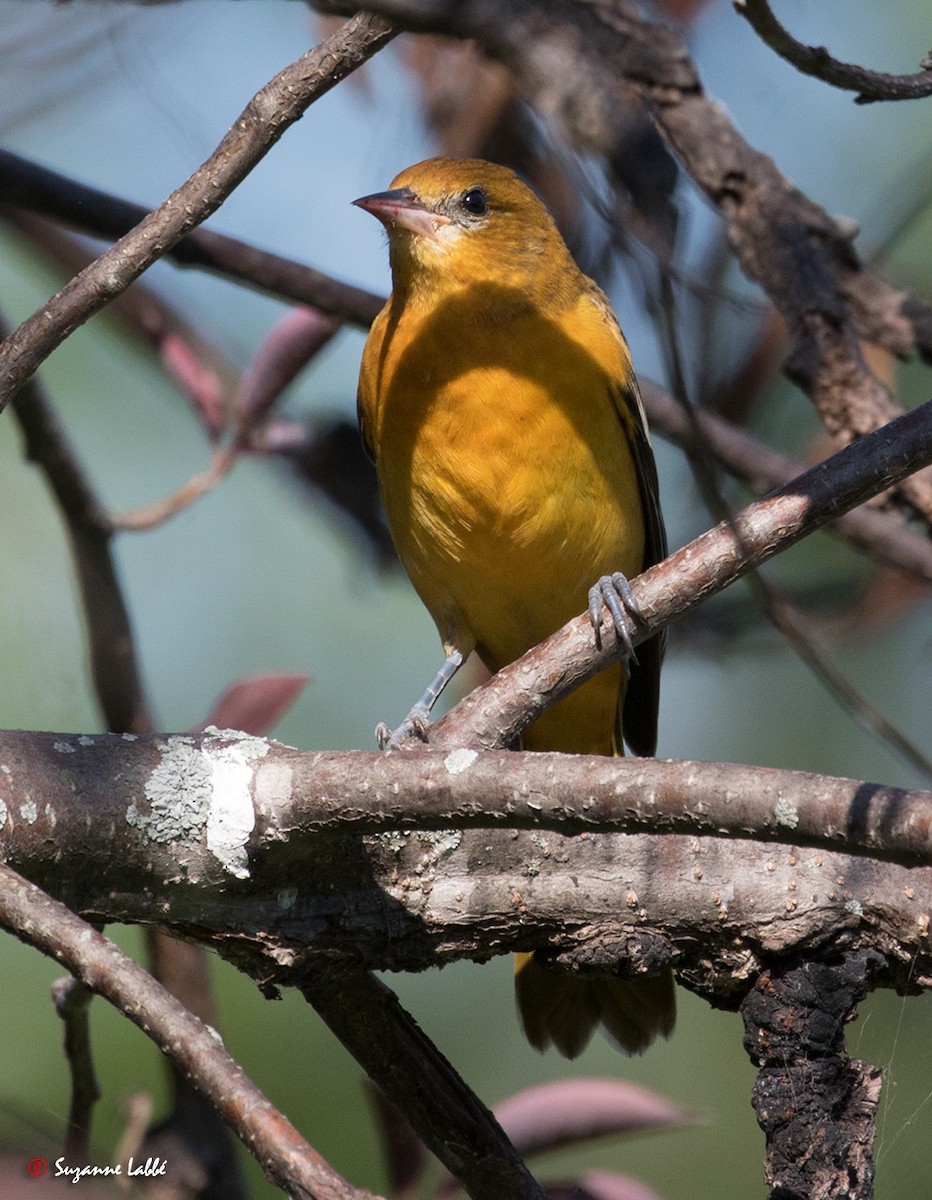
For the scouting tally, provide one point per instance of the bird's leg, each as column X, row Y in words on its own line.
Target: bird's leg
column 417, row 722
column 615, row 593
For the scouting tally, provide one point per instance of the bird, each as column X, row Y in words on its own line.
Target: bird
column 498, row 399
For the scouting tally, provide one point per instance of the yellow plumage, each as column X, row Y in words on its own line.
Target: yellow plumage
column 498, row 399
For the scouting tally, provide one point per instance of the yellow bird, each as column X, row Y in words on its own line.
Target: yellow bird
column 498, row 399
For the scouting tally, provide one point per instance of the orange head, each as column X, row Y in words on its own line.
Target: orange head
column 455, row 222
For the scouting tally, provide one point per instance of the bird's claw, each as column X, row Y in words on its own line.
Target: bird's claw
column 415, row 725
column 615, row 593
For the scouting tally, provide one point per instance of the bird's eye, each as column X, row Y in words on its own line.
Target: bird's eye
column 475, row 202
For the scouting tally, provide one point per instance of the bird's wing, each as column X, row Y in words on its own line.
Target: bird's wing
column 642, row 699
column 638, row 718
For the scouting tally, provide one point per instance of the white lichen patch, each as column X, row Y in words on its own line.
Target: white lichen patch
column 4, row 813
column 232, row 818
column 786, row 814
column 458, row 761
column 64, row 748
column 29, row 812
column 204, row 790
column 85, row 740
column 178, row 792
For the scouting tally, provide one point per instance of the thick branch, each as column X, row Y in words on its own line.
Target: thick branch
column 816, row 1106
column 299, row 796
column 397, row 1056
column 271, row 111
column 240, row 841
column 816, row 60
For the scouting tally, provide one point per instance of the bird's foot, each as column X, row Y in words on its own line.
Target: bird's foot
column 615, row 593
column 416, row 725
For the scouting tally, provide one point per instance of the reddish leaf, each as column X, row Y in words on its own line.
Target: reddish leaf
column 256, row 703
column 574, row 1110
column 286, row 350
column 601, row 1185
column 404, row 1152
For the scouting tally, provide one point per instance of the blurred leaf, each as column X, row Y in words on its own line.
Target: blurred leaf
column 569, row 1111
column 601, row 1185
column 404, row 1152
column 255, row 704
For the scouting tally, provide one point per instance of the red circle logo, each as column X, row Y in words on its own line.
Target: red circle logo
column 37, row 1167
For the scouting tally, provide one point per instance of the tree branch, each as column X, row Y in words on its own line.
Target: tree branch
column 72, row 999
column 27, row 186
column 114, row 668
column 295, row 862
column 396, row 1055
column 270, row 112
column 808, row 1093
column 286, row 1158
column 882, row 535
column 300, row 796
column 816, row 60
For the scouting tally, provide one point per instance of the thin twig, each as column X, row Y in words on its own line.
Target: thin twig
column 816, row 60
column 150, row 516
column 72, row 1000
column 288, row 1161
column 798, row 631
column 271, row 111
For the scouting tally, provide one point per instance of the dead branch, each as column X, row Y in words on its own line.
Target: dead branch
column 816, row 60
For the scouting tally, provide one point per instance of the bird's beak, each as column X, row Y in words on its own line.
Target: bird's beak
column 401, row 209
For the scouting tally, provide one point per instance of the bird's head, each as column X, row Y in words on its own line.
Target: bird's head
column 454, row 222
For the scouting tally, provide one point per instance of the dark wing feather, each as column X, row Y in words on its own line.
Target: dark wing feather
column 642, row 699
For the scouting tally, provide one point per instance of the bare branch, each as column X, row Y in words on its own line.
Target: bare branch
column 396, row 1055
column 286, row 1158
column 816, row 60
column 808, row 1091
column 882, row 535
column 72, row 999
column 271, row 111
column 197, row 821
column 313, row 794
column 114, row 668
column 27, row 186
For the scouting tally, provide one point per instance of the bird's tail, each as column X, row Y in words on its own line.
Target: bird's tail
column 563, row 1010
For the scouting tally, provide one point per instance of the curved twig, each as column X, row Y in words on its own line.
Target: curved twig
column 871, row 86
